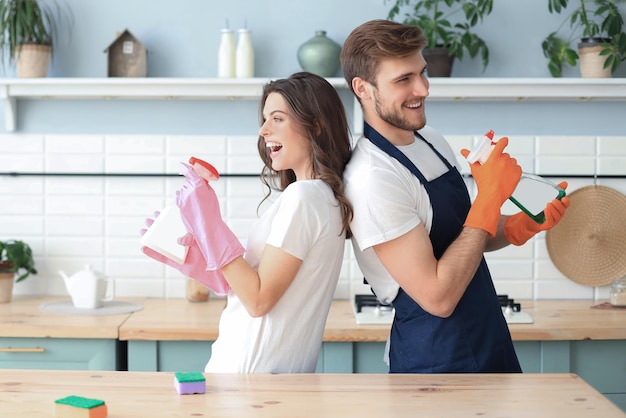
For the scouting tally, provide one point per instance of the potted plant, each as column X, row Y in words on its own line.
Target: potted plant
column 16, row 258
column 27, row 32
column 448, row 26
column 598, row 24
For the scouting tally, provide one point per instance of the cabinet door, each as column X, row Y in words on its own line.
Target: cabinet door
column 59, row 354
column 168, row 356
column 352, row 357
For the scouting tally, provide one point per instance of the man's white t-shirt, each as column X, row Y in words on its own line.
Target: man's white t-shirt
column 389, row 201
column 306, row 222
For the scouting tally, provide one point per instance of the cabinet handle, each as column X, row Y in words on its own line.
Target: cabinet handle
column 22, row 350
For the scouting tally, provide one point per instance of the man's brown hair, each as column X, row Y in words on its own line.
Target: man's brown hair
column 375, row 40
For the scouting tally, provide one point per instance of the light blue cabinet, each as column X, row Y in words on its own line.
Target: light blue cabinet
column 61, row 354
column 170, row 356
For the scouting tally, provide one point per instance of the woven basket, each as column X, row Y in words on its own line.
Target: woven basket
column 589, row 244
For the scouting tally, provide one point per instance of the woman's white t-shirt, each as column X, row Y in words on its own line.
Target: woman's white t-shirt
column 305, row 221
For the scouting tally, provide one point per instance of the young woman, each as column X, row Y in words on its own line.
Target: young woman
column 282, row 288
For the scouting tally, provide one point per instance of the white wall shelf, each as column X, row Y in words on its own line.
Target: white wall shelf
column 441, row 89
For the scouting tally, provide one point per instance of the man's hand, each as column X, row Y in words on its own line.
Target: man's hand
column 519, row 228
column 496, row 180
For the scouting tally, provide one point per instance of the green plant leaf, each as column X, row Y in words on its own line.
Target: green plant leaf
column 17, row 257
column 570, row 56
column 445, row 22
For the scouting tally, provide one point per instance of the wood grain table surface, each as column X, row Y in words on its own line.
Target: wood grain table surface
column 31, row 393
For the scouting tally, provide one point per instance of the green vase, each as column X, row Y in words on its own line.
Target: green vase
column 320, row 55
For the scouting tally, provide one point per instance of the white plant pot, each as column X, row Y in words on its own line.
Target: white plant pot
column 591, row 62
column 6, row 287
column 32, row 60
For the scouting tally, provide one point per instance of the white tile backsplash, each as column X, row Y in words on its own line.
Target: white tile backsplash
column 21, row 163
column 21, row 143
column 75, row 220
column 135, row 145
column 612, row 146
column 74, row 144
column 566, row 145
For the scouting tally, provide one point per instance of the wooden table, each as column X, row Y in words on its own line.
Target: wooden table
column 31, row 393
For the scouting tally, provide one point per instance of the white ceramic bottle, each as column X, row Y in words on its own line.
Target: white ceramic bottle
column 226, row 54
column 245, row 55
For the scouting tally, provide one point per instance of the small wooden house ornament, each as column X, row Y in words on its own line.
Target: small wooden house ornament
column 127, row 57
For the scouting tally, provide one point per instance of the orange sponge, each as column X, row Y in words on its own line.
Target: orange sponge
column 79, row 407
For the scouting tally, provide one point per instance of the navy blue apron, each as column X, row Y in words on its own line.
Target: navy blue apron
column 475, row 338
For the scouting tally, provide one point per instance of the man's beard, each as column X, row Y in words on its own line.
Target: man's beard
column 396, row 119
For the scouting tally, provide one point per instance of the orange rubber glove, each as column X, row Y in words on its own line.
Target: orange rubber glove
column 519, row 228
column 496, row 180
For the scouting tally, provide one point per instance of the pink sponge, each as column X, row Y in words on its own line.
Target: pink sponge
column 191, row 382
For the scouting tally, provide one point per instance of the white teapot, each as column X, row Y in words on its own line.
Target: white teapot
column 88, row 288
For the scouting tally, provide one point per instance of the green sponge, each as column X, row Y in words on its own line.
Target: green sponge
column 79, row 407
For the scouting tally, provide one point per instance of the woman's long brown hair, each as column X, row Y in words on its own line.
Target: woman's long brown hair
column 317, row 107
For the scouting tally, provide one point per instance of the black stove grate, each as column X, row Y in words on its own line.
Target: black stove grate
column 368, row 300
column 362, row 300
column 505, row 301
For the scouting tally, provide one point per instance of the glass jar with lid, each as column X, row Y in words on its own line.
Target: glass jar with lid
column 196, row 291
column 618, row 292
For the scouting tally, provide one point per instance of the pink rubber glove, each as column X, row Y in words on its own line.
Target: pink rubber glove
column 200, row 212
column 194, row 266
column 519, row 228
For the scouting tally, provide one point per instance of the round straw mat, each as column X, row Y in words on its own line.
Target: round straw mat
column 589, row 244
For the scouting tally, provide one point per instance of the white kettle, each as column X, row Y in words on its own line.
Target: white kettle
column 88, row 288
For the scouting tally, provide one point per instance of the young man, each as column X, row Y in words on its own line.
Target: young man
column 417, row 237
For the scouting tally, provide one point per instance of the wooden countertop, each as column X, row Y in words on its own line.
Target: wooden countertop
column 22, row 317
column 174, row 319
column 570, row 320
column 31, row 393
column 177, row 319
column 553, row 320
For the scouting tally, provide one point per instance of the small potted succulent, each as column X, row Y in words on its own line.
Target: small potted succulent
column 598, row 26
column 447, row 24
column 16, row 259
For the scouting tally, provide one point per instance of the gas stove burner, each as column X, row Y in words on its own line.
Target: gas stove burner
column 506, row 302
column 368, row 310
column 370, row 301
column 513, row 311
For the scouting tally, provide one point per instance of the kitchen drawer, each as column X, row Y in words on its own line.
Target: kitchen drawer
column 61, row 354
